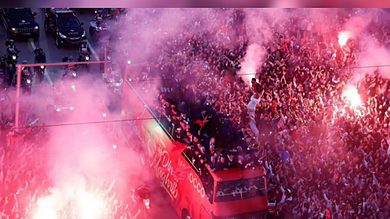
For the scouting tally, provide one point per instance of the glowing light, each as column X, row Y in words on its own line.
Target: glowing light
column 352, row 96
column 91, row 205
column 114, row 146
column 104, row 114
column 45, row 209
column 72, row 202
column 343, row 37
column 129, row 62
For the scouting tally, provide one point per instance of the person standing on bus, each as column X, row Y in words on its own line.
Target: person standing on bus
column 255, row 100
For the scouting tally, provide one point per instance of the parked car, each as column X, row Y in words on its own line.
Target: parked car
column 65, row 26
column 20, row 22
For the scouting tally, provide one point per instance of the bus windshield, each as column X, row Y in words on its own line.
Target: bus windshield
column 240, row 189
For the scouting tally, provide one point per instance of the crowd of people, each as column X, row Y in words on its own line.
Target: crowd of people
column 211, row 122
column 337, row 155
column 26, row 181
column 324, row 157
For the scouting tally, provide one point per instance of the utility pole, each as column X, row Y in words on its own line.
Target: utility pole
column 18, row 84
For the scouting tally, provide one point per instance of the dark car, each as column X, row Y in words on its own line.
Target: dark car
column 20, row 22
column 66, row 27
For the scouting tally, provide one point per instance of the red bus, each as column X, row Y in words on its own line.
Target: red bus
column 224, row 194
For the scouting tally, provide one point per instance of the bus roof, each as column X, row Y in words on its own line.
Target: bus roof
column 236, row 174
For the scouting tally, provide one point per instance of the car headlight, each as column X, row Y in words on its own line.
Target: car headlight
column 61, row 35
column 84, row 34
column 36, row 27
column 13, row 29
column 87, row 58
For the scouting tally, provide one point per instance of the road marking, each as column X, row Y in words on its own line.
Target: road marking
column 46, row 74
column 32, row 44
column 93, row 51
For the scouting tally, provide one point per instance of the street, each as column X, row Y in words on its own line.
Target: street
column 47, row 43
column 162, row 208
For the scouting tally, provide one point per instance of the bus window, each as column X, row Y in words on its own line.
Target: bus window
column 208, row 184
column 240, row 189
column 203, row 173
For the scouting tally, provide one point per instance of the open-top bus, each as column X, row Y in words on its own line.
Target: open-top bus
column 224, row 194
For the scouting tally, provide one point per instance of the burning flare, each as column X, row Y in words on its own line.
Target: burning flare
column 343, row 37
column 352, row 96
column 72, row 202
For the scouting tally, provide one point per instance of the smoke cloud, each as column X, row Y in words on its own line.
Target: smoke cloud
column 79, row 154
column 251, row 62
